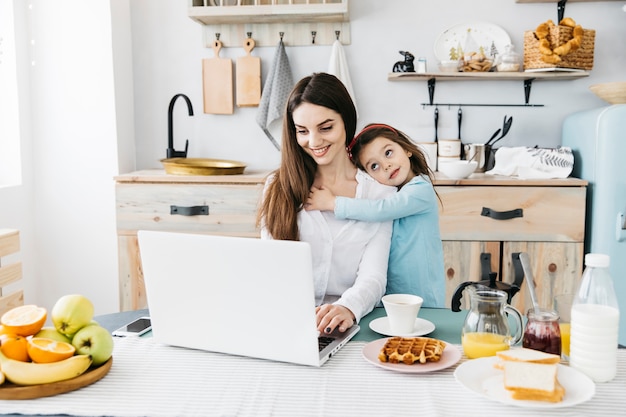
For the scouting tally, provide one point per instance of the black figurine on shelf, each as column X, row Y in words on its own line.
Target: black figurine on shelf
column 406, row 65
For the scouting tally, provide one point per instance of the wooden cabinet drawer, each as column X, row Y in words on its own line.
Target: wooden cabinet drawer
column 231, row 209
column 548, row 213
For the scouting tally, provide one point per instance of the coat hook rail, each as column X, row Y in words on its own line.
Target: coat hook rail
column 424, row 105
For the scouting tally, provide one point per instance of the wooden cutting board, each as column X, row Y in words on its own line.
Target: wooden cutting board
column 217, row 82
column 248, row 77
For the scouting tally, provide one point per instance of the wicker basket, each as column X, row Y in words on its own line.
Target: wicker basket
column 582, row 58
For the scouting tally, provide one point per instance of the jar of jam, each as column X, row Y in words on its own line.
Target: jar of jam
column 542, row 331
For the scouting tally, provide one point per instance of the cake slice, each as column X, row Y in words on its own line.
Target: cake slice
column 533, row 381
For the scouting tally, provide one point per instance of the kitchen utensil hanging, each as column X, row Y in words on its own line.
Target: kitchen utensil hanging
column 436, row 123
column 217, row 82
column 248, row 76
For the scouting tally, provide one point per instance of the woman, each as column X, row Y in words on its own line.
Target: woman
column 349, row 257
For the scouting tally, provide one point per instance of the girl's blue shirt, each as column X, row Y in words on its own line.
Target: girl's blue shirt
column 416, row 254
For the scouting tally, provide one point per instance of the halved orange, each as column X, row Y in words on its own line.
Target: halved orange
column 14, row 347
column 24, row 320
column 44, row 350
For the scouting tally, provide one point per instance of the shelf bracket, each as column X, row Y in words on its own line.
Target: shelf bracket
column 528, row 84
column 431, row 90
column 560, row 10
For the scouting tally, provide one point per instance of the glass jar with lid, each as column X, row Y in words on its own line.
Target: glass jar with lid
column 509, row 61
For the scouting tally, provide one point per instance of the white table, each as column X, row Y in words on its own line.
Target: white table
column 149, row 379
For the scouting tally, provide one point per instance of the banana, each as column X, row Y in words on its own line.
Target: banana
column 30, row 373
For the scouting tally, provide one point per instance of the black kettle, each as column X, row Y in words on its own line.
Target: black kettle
column 491, row 281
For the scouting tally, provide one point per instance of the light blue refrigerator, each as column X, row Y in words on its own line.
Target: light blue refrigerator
column 598, row 140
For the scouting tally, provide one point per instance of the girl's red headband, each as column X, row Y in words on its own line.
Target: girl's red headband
column 370, row 127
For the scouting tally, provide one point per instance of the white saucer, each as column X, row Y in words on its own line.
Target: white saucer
column 422, row 327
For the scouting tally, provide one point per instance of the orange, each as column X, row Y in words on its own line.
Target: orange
column 14, row 347
column 44, row 350
column 24, row 320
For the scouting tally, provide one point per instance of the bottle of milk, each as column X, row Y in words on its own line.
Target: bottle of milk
column 595, row 319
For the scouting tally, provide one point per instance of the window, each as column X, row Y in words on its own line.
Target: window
column 10, row 158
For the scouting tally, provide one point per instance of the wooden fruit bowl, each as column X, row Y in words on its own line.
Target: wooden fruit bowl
column 10, row 391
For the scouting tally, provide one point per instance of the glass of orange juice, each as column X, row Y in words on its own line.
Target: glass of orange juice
column 481, row 344
column 563, row 306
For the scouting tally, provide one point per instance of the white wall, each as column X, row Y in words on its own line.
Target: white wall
column 87, row 112
column 65, row 207
column 168, row 51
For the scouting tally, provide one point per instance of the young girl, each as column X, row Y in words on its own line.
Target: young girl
column 416, row 254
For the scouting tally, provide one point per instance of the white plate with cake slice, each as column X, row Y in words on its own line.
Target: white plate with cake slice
column 481, row 377
column 450, row 356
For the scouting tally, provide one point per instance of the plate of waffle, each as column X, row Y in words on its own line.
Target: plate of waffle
column 483, row 377
column 411, row 354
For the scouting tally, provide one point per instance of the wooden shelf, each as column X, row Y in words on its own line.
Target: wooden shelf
column 526, row 77
column 486, row 76
column 303, row 22
column 277, row 13
column 556, row 1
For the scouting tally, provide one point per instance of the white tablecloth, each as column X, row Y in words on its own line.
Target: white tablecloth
column 149, row 379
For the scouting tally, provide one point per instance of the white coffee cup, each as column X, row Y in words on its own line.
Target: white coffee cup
column 450, row 147
column 402, row 310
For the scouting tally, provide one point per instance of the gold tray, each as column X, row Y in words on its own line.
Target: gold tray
column 9, row 391
column 202, row 166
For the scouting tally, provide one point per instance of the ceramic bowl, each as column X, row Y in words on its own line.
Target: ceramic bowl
column 612, row 93
column 458, row 169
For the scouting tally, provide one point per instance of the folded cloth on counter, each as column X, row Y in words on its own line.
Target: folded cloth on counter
column 529, row 163
column 276, row 90
column 338, row 66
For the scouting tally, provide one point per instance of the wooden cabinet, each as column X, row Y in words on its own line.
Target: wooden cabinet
column 549, row 227
column 152, row 200
column 547, row 221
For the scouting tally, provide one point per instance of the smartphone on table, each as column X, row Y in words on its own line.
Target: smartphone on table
column 135, row 328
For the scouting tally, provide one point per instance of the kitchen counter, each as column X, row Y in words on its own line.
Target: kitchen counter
column 157, row 380
column 551, row 228
column 253, row 176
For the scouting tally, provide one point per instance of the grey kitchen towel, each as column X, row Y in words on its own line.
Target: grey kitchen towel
column 276, row 90
column 338, row 66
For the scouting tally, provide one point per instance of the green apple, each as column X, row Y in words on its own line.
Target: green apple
column 50, row 332
column 96, row 341
column 71, row 313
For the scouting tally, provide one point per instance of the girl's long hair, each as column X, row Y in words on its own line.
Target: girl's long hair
column 419, row 166
column 285, row 195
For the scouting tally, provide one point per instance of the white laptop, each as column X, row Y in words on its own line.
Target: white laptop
column 241, row 296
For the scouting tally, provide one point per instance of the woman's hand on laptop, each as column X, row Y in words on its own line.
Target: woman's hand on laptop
column 330, row 316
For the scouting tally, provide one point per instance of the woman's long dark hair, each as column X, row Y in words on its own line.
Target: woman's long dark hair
column 292, row 182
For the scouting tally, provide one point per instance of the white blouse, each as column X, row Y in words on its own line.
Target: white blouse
column 349, row 257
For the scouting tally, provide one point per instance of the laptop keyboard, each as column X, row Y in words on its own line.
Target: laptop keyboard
column 324, row 341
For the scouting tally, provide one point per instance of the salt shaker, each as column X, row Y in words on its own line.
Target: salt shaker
column 595, row 321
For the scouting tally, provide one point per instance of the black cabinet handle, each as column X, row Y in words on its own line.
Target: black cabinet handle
column 502, row 215
column 190, row 211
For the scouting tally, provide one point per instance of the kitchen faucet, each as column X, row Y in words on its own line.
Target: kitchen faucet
column 171, row 153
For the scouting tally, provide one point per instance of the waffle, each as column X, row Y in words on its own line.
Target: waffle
column 410, row 350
